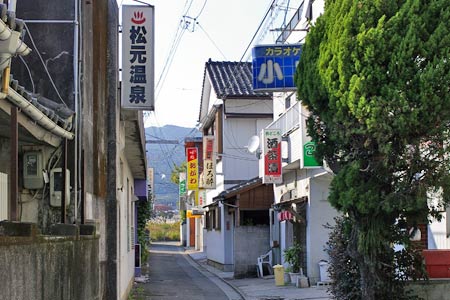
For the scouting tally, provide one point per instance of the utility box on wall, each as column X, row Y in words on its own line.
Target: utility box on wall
column 33, row 177
column 57, row 187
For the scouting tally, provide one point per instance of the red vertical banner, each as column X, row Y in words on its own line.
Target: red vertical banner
column 192, row 168
column 272, row 156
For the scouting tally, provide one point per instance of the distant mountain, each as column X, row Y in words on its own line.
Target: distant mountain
column 162, row 157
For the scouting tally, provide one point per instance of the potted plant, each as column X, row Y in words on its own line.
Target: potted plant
column 292, row 256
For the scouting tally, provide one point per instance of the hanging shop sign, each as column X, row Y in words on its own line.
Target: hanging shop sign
column 137, row 91
column 274, row 67
column 272, row 156
column 209, row 163
column 192, row 168
column 182, row 190
column 309, row 160
column 201, row 197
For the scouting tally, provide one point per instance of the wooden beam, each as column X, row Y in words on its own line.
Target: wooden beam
column 14, row 167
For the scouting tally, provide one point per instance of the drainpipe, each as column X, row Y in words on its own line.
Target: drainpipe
column 76, row 107
column 12, row 7
column 111, row 181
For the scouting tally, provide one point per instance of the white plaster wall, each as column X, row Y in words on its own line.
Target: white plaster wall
column 228, row 233
column 278, row 104
column 251, row 106
column 125, row 254
column 438, row 234
column 319, row 213
column 215, row 246
column 238, row 163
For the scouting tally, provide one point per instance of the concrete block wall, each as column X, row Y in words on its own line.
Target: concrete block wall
column 43, row 268
column 249, row 243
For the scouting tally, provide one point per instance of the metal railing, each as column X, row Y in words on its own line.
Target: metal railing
column 288, row 121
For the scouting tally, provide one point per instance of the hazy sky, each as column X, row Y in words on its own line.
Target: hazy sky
column 224, row 30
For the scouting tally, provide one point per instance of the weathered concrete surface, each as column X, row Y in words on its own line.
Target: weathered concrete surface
column 435, row 289
column 43, row 268
column 249, row 243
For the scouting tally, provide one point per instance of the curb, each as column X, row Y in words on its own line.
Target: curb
column 200, row 267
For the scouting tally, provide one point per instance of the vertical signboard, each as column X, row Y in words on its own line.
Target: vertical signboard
column 182, row 190
column 209, row 163
column 274, row 67
column 192, row 168
column 150, row 182
column 201, row 197
column 309, row 160
column 138, row 46
column 272, row 156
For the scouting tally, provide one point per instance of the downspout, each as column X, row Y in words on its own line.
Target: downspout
column 12, row 7
column 76, row 106
column 111, row 180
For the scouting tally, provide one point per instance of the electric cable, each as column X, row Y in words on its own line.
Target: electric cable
column 211, row 40
column 29, row 74
column 43, row 63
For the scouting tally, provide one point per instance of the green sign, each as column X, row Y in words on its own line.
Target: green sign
column 182, row 183
column 308, row 155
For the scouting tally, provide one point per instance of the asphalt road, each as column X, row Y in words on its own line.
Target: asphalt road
column 173, row 275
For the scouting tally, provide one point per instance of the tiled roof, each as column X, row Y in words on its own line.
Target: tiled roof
column 59, row 114
column 232, row 80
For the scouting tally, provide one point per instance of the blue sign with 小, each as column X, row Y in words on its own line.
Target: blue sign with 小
column 274, row 67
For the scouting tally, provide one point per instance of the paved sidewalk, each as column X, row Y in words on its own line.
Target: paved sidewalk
column 261, row 288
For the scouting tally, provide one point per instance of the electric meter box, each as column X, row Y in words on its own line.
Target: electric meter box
column 56, row 187
column 33, row 177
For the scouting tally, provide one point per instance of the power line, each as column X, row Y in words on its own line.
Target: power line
column 211, row 40
column 43, row 63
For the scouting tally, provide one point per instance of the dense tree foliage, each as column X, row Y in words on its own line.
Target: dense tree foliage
column 375, row 75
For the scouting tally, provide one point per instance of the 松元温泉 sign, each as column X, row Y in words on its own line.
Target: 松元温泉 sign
column 274, row 67
column 138, row 57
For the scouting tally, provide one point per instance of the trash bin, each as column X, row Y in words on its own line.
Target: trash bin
column 323, row 269
column 279, row 274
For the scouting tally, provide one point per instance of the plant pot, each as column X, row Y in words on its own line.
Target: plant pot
column 294, row 276
column 287, row 278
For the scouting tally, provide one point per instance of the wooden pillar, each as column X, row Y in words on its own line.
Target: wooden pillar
column 14, row 167
column 64, row 183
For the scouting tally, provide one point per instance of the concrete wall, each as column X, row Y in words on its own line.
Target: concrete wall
column 431, row 290
column 249, row 243
column 44, row 268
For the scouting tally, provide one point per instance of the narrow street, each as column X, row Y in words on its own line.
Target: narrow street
column 173, row 275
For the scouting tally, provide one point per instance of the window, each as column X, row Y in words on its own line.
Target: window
column 213, row 219
column 287, row 102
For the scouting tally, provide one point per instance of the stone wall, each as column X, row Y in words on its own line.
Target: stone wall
column 44, row 267
column 249, row 243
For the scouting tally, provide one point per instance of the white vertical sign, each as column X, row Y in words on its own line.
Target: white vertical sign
column 138, row 57
column 209, row 163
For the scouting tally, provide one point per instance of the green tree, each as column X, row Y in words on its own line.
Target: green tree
column 144, row 211
column 375, row 75
column 175, row 176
